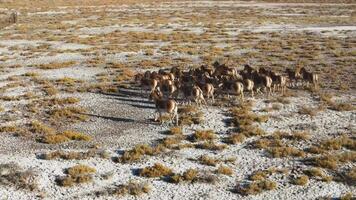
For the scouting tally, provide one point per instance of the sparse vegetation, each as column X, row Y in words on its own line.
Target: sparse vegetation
column 254, row 188
column 77, row 174
column 12, row 175
column 301, row 180
column 157, row 170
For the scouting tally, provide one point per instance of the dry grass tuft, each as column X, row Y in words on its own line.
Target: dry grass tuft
column 64, row 137
column 207, row 160
column 76, row 175
column 176, row 130
column 72, row 114
column 224, row 170
column 12, row 175
column 132, row 188
column 191, row 175
column 301, row 180
column 39, row 128
column 254, row 188
column 278, row 152
column 200, row 135
column 189, row 115
column 74, row 155
column 210, row 145
column 139, row 151
column 342, row 107
column 235, row 138
column 157, row 170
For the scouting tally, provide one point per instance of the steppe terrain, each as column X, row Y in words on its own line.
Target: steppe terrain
column 75, row 124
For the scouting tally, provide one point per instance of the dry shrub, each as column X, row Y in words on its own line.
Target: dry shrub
column 210, row 145
column 332, row 161
column 79, row 170
column 139, row 151
column 297, row 135
column 76, row 175
column 39, row 128
column 265, row 143
column 342, row 107
column 74, row 155
column 278, row 152
column 54, row 139
column 157, row 170
column 50, row 90
column 203, row 135
column 207, row 160
column 224, row 170
column 235, row 138
column 125, row 75
column 56, row 65
column 304, row 110
column 333, row 144
column 72, row 114
column 301, row 180
column 176, row 130
column 191, row 175
column 12, row 175
column 347, row 177
column 259, row 175
column 189, row 115
column 64, row 137
column 347, row 196
column 72, row 135
column 254, row 188
column 132, row 188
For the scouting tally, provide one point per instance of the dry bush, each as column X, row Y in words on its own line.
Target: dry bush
column 332, row 161
column 189, row 115
column 39, row 128
column 72, row 114
column 157, row 170
column 265, row 143
column 297, row 135
column 301, row 180
column 12, row 175
column 207, row 160
column 254, row 188
column 347, row 177
column 278, row 152
column 347, row 196
column 55, row 65
column 72, row 155
column 139, row 151
column 224, row 170
column 79, row 170
column 76, row 175
column 176, row 130
column 72, row 135
column 132, row 188
column 210, row 145
column 342, row 107
column 304, row 110
column 54, row 139
column 191, row 175
column 235, row 138
column 64, row 137
column 259, row 175
column 203, row 135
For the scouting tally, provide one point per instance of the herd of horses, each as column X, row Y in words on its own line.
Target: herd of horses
column 167, row 88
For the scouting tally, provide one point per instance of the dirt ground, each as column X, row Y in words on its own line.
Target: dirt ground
column 71, row 68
